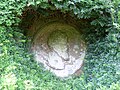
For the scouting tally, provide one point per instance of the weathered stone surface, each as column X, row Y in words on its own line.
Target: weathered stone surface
column 60, row 48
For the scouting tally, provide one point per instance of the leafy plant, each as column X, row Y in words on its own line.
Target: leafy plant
column 18, row 70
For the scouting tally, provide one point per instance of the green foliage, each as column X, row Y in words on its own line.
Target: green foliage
column 113, row 86
column 10, row 11
column 18, row 70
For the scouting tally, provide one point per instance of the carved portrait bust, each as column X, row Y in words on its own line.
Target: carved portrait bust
column 60, row 48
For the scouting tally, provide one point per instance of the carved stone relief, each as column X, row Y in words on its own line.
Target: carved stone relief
column 60, row 48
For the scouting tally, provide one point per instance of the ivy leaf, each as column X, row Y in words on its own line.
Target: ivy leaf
column 76, row 1
column 76, row 11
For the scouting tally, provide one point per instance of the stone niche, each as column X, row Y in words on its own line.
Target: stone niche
column 57, row 42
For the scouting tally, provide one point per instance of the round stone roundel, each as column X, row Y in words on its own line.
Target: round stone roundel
column 60, row 48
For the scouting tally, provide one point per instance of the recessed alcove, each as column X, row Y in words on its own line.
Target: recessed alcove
column 56, row 41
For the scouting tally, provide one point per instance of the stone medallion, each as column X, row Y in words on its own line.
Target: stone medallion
column 60, row 48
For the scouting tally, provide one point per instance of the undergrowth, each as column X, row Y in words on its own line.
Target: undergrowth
column 19, row 71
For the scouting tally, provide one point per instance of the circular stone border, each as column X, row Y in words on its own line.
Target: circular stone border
column 45, row 55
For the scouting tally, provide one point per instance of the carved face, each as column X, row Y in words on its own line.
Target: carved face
column 60, row 48
column 58, row 42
